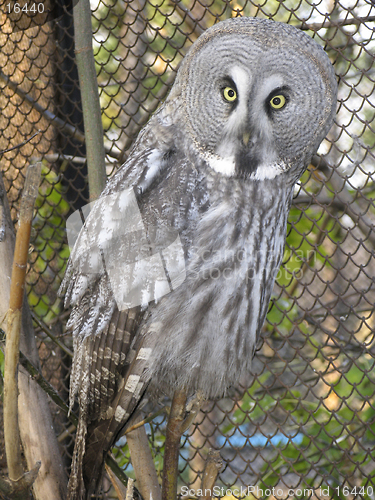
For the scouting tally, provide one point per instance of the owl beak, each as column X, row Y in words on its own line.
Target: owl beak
column 246, row 138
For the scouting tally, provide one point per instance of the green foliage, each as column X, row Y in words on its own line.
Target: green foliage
column 49, row 248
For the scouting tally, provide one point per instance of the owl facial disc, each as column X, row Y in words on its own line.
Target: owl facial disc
column 258, row 98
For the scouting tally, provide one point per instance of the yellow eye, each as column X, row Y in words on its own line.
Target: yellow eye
column 278, row 101
column 229, row 94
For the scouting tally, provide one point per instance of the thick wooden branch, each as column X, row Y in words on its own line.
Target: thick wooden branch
column 14, row 319
column 88, row 84
column 211, row 470
column 35, row 420
column 144, row 468
column 20, row 489
column 172, row 446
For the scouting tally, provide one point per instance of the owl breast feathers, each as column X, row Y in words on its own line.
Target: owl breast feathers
column 171, row 275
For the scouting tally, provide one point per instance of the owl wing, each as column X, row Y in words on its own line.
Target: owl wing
column 109, row 356
column 103, row 335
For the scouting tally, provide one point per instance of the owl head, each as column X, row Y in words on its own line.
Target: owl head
column 257, row 98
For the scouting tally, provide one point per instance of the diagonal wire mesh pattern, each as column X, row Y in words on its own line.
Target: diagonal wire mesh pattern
column 304, row 423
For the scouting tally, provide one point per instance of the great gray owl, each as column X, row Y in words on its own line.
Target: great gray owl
column 171, row 276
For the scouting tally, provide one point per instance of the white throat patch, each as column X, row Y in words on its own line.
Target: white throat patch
column 225, row 166
column 264, row 172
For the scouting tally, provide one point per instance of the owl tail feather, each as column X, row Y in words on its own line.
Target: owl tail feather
column 94, row 439
column 100, row 438
column 76, row 486
column 102, row 435
column 91, row 447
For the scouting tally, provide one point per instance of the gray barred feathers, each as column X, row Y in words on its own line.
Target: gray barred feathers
column 173, row 267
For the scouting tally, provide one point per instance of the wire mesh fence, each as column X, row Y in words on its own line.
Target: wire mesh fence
column 303, row 425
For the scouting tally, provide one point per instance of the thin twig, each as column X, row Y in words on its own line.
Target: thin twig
column 172, row 446
column 48, row 332
column 342, row 194
column 66, row 433
column 336, row 24
column 64, row 127
column 146, row 420
column 189, row 18
column 48, row 115
column 17, row 146
column 111, row 462
column 306, row 264
column 320, row 201
column 47, row 387
column 54, row 157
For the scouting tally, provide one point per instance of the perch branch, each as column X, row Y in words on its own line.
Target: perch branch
column 144, row 468
column 53, row 337
column 172, row 446
column 212, row 468
column 47, row 387
column 146, row 420
column 11, row 431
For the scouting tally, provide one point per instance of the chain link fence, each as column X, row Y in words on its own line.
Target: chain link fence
column 304, row 426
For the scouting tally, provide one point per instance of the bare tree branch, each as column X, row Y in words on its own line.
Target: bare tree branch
column 11, row 432
column 57, row 122
column 35, row 420
column 88, row 84
column 17, row 146
column 344, row 197
column 53, row 337
column 172, row 446
column 19, row 490
column 357, row 21
column 144, row 468
column 212, row 468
